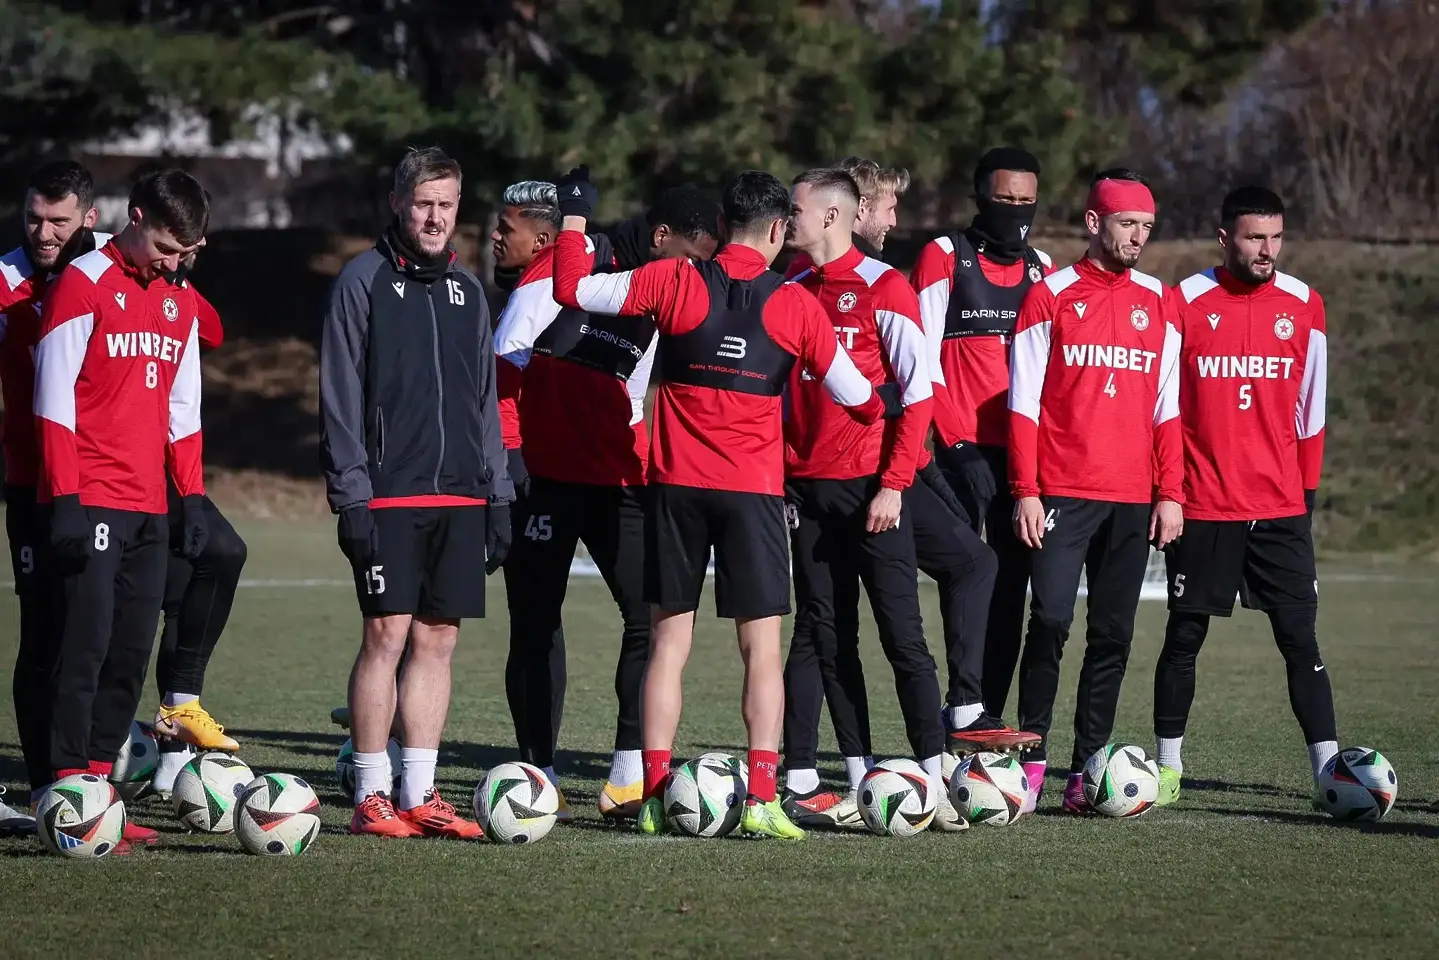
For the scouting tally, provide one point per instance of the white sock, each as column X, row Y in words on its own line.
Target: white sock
column 1320, row 754
column 372, row 774
column 934, row 766
column 1168, row 750
column 417, row 775
column 551, row 776
column 802, row 781
column 173, row 700
column 626, row 768
column 855, row 768
column 961, row 717
column 169, row 767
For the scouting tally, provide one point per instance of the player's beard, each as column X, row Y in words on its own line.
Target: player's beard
column 873, row 234
column 1253, row 271
column 431, row 245
column 1114, row 250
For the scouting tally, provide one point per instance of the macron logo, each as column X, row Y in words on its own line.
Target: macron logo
column 120, row 299
column 1214, row 321
column 399, row 286
column 1079, row 309
column 575, row 192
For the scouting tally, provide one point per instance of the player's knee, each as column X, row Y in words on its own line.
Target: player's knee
column 433, row 638
column 1184, row 636
column 1294, row 634
column 386, row 637
column 228, row 552
column 1050, row 628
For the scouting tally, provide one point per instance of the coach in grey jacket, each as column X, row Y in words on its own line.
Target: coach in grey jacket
column 415, row 467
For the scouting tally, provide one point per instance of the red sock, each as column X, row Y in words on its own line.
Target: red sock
column 100, row 769
column 657, row 771
column 69, row 772
column 763, row 769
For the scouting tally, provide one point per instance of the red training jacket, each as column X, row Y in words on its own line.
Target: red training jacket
column 1251, row 395
column 971, row 374
column 876, row 317
column 705, row 436
column 117, row 387
column 1094, row 389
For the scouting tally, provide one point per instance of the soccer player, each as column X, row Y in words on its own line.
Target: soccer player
column 730, row 333
column 971, row 284
column 1095, row 461
column 58, row 214
column 415, row 467
column 199, row 593
column 1251, row 405
column 684, row 222
column 117, row 403
column 847, row 486
column 587, row 448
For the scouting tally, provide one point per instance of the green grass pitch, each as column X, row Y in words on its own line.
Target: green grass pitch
column 1239, row 867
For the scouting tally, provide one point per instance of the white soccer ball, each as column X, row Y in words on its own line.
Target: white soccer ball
column 1120, row 781
column 705, row 796
column 989, row 788
column 516, row 803
column 896, row 799
column 1358, row 783
column 80, row 816
column 207, row 789
column 277, row 815
column 345, row 768
column 135, row 766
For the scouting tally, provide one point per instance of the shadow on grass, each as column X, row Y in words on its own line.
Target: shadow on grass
column 1382, row 828
column 1255, row 789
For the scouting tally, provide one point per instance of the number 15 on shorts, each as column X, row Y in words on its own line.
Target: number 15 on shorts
column 375, row 580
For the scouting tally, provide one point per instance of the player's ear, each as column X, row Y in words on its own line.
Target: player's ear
column 659, row 235
column 1091, row 222
column 1222, row 236
column 394, row 204
column 92, row 216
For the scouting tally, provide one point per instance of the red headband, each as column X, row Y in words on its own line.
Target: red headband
column 1117, row 196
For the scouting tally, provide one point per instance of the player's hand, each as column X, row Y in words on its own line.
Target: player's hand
column 1309, row 497
column 359, row 539
column 970, row 464
column 893, row 400
column 72, row 536
column 576, row 195
column 884, row 511
column 194, row 526
column 1166, row 523
column 498, row 536
column 1029, row 522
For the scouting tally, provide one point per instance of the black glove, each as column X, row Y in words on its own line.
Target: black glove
column 71, row 535
column 966, row 460
column 195, row 526
column 893, row 399
column 932, row 477
column 577, row 196
column 498, row 536
column 359, row 540
column 1309, row 501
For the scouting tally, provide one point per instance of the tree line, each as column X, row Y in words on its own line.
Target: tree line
column 1336, row 104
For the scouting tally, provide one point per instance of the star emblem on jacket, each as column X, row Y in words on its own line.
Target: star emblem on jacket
column 846, row 302
column 1139, row 319
column 170, row 310
column 1284, row 326
column 1034, row 275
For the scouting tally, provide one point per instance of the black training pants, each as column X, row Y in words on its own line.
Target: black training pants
column 198, row 596
column 1011, row 583
column 609, row 520
column 1109, row 542
column 830, row 546
column 106, row 610
column 34, row 677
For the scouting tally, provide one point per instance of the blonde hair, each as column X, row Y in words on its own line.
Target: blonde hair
column 874, row 179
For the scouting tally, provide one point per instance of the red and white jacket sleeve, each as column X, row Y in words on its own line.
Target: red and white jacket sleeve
column 183, row 452
column 1168, row 435
column 1028, row 366
column 1313, row 388
column 931, row 278
column 795, row 320
column 532, row 307
column 896, row 317
column 66, row 322
column 671, row 291
column 212, row 334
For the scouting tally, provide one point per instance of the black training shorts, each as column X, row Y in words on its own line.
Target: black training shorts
column 431, row 563
column 1268, row 564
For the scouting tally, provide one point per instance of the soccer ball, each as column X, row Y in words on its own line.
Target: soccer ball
column 896, row 799
column 705, row 797
column 277, row 815
column 1120, row 781
column 989, row 788
column 1358, row 784
column 516, row 803
column 80, row 816
column 135, row 765
column 345, row 768
column 206, row 790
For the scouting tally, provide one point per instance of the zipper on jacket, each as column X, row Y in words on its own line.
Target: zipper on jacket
column 380, row 436
column 439, row 385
